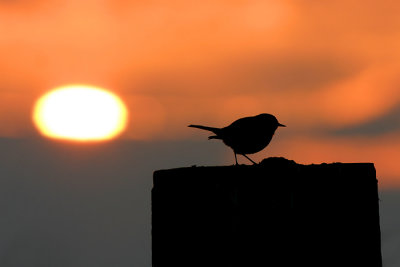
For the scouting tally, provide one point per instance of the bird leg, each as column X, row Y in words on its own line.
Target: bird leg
column 249, row 159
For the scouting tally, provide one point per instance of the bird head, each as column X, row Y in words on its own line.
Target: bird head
column 270, row 120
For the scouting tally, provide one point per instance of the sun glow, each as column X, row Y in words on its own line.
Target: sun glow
column 81, row 113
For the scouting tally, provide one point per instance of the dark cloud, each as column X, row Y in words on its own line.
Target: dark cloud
column 293, row 72
column 390, row 220
column 74, row 205
column 387, row 123
column 250, row 74
column 64, row 204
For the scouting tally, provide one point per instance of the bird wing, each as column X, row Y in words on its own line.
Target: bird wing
column 243, row 125
column 247, row 135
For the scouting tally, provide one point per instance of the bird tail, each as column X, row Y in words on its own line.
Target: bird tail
column 211, row 129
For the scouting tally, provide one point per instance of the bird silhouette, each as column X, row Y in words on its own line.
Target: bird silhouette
column 247, row 135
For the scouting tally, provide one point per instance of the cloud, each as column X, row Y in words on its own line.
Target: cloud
column 311, row 64
column 359, row 99
column 383, row 151
column 84, row 205
column 388, row 123
column 291, row 71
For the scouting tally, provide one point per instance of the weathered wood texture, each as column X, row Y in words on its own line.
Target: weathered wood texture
column 277, row 213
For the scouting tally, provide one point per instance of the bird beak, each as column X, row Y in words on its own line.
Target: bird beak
column 281, row 125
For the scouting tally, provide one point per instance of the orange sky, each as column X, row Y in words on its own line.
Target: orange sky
column 328, row 70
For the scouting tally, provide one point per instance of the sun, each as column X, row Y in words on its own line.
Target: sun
column 80, row 113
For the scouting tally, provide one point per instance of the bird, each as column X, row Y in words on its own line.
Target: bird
column 247, row 135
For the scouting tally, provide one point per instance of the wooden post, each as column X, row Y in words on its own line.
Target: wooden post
column 277, row 213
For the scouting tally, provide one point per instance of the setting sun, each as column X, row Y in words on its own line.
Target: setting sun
column 81, row 113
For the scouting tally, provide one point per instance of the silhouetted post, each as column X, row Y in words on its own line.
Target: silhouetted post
column 277, row 213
